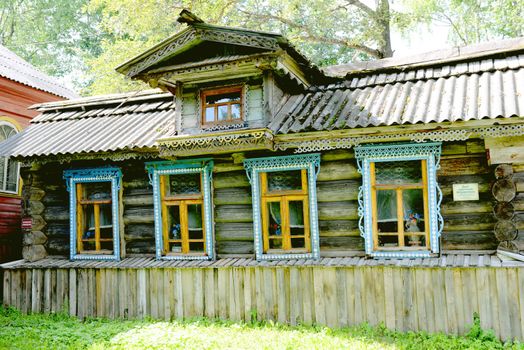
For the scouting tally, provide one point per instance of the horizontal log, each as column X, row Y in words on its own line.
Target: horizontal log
column 335, row 228
column 136, row 231
column 140, row 247
column 57, row 246
column 463, row 147
column 227, row 167
column 139, row 183
column 231, row 180
column 339, row 154
column 239, row 195
column 56, row 213
column 350, row 243
column 469, row 240
column 57, row 229
column 469, row 222
column 346, row 210
column 138, row 200
column 235, row 247
column 234, row 231
column 466, row 207
column 55, row 198
column 342, row 170
column 233, row 213
column 463, row 166
column 335, row 191
column 138, row 215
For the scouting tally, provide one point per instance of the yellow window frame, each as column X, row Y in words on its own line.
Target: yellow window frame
column 182, row 201
column 399, row 188
column 284, row 197
column 81, row 205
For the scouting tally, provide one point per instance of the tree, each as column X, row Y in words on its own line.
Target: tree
column 52, row 35
column 349, row 26
column 470, row 21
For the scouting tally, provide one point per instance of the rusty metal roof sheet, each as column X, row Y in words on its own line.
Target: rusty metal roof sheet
column 15, row 68
column 487, row 88
column 112, row 124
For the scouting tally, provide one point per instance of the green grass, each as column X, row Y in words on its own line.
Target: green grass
column 63, row 332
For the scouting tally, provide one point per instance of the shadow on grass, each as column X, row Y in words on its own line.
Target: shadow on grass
column 60, row 331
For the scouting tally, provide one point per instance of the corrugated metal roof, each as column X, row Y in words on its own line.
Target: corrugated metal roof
column 489, row 88
column 15, row 68
column 113, row 124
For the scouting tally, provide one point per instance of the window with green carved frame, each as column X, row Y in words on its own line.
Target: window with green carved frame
column 399, row 201
column 183, row 208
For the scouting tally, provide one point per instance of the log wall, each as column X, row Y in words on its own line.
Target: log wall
column 467, row 225
column 402, row 298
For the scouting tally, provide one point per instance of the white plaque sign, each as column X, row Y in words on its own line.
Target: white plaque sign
column 465, row 192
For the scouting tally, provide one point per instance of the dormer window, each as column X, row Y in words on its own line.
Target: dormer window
column 222, row 106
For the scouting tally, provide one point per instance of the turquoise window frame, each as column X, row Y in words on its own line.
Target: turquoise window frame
column 76, row 176
column 205, row 168
column 430, row 152
column 255, row 166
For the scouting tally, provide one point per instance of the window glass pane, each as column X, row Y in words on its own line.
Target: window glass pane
column 12, row 175
column 195, row 247
column 97, row 190
column 386, row 241
column 413, row 201
column 222, row 112
column 106, row 219
column 398, row 172
column 275, row 243
column 184, row 184
column 175, row 231
column 223, row 98
column 194, row 221
column 275, row 220
column 210, row 114
column 284, row 180
column 387, row 211
column 235, row 111
column 296, row 217
column 88, row 232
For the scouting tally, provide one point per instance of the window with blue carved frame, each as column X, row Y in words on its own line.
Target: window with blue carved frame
column 285, row 216
column 183, row 209
column 399, row 201
column 94, row 213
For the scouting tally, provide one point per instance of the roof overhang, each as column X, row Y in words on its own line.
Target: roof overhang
column 216, row 143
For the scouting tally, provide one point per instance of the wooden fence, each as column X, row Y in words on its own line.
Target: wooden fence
column 403, row 298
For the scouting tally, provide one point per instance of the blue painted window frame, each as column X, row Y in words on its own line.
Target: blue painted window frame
column 192, row 166
column 255, row 166
column 107, row 174
column 430, row 152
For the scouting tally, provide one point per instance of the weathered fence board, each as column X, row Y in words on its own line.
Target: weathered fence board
column 402, row 298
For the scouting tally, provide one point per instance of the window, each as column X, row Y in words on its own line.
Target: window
column 285, row 214
column 9, row 169
column 221, row 106
column 400, row 214
column 183, row 210
column 94, row 213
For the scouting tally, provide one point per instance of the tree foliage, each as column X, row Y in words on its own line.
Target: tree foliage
column 470, row 21
column 53, row 35
column 89, row 38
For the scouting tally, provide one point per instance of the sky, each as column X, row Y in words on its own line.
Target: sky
column 422, row 40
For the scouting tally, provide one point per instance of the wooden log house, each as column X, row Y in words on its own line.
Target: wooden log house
column 250, row 183
column 21, row 85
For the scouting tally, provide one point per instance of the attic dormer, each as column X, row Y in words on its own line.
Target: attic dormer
column 225, row 80
column 204, row 53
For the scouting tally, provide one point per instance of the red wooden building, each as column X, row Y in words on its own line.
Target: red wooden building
column 21, row 85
